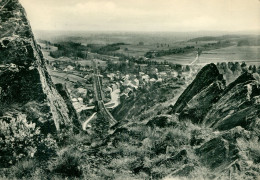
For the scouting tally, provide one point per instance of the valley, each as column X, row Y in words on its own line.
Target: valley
column 127, row 105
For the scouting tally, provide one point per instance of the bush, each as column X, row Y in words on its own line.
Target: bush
column 67, row 164
column 20, row 139
column 23, row 169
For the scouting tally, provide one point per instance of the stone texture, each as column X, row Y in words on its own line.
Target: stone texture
column 207, row 101
column 207, row 75
column 25, row 78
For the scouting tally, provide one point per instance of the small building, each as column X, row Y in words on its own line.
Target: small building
column 162, row 74
column 152, row 80
column 13, row 65
column 80, row 100
column 174, row 73
column 141, row 73
column 127, row 91
column 68, row 68
column 145, row 78
column 82, row 91
column 111, row 76
column 159, row 80
column 74, row 100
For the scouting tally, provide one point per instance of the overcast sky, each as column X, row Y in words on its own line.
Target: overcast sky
column 144, row 15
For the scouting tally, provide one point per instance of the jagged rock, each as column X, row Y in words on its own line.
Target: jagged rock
column 224, row 151
column 61, row 88
column 217, row 153
column 218, row 106
column 208, row 75
column 199, row 105
column 238, row 105
column 30, row 81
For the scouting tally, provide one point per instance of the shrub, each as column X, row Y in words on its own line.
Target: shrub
column 67, row 164
column 20, row 139
column 23, row 169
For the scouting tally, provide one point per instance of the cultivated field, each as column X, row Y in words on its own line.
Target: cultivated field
column 249, row 54
column 68, row 76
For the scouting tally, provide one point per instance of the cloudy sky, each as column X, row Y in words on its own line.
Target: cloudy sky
column 144, row 15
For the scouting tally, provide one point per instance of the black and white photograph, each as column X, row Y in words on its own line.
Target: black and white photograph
column 129, row 89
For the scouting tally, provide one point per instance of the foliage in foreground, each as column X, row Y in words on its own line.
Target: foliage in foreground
column 20, row 139
column 154, row 148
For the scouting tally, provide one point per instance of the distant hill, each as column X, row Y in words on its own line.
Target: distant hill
column 214, row 38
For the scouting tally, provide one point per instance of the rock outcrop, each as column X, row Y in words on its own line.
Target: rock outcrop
column 238, row 105
column 208, row 101
column 198, row 97
column 23, row 75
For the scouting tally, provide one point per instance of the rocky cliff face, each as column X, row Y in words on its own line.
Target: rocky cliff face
column 208, row 101
column 238, row 105
column 25, row 84
column 198, row 97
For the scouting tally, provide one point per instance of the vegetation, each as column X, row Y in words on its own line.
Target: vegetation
column 69, row 49
column 186, row 49
column 249, row 42
column 107, row 48
column 20, row 139
column 214, row 38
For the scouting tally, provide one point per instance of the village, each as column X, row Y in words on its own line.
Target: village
column 119, row 79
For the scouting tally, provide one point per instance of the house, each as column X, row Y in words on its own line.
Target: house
column 82, row 91
column 118, row 85
column 2, row 67
column 152, row 80
column 13, row 65
column 74, row 100
column 114, row 87
column 126, row 77
column 174, row 73
column 69, row 68
column 80, row 100
column 131, row 83
column 111, row 76
column 159, row 80
column 135, row 82
column 145, row 78
column 127, row 91
column 141, row 73
column 162, row 74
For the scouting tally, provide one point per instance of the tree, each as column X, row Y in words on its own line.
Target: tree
column 258, row 70
column 187, row 68
column 100, row 127
column 244, row 67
